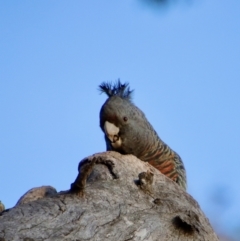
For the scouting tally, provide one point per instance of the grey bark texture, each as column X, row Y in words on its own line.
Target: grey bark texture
column 114, row 198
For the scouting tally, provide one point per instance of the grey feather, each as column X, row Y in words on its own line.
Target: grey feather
column 117, row 88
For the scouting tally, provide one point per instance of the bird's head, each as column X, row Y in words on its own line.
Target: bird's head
column 118, row 117
column 114, row 114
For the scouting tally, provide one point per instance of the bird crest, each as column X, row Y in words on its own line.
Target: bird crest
column 119, row 89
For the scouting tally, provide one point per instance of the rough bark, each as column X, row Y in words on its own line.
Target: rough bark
column 115, row 197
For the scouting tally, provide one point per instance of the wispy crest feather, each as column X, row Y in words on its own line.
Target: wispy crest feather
column 119, row 89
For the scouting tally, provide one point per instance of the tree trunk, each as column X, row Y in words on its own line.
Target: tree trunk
column 114, row 198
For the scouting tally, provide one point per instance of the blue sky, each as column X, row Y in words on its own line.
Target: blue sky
column 183, row 61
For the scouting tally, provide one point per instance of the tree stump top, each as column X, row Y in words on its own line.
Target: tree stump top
column 115, row 197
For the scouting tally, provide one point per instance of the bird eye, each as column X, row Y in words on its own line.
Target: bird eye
column 125, row 118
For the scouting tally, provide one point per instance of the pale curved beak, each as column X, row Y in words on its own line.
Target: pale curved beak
column 112, row 133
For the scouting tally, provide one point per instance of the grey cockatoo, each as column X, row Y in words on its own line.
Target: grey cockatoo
column 128, row 131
